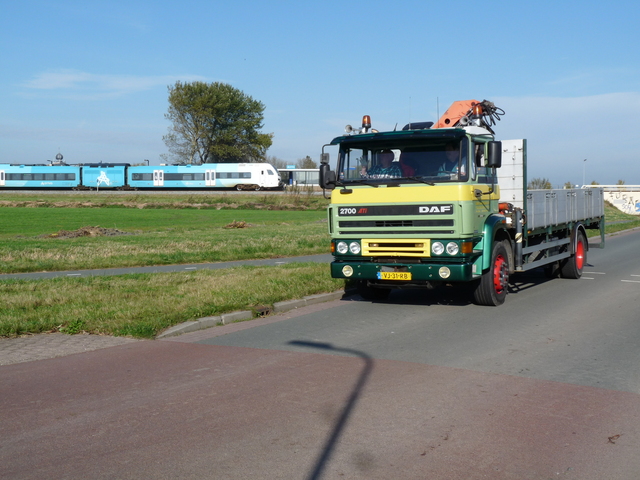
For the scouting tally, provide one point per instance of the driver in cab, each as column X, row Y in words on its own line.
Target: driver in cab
column 386, row 167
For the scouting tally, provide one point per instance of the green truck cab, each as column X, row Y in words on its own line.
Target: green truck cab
column 420, row 207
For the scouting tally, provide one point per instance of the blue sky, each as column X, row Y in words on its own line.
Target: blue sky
column 89, row 79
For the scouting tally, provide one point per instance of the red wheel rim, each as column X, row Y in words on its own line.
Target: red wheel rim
column 579, row 255
column 500, row 274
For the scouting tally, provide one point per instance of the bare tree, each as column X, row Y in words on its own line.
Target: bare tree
column 539, row 184
column 277, row 162
column 306, row 162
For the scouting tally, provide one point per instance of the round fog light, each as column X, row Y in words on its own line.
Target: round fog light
column 347, row 270
column 437, row 248
column 342, row 247
column 444, row 272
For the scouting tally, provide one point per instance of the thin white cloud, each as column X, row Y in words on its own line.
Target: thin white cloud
column 83, row 85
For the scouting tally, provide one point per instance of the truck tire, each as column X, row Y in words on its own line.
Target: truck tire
column 492, row 287
column 572, row 267
column 372, row 293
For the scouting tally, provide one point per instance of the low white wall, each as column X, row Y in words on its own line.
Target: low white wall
column 624, row 197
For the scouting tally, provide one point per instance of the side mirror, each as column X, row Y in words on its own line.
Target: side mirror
column 327, row 177
column 324, row 158
column 495, row 155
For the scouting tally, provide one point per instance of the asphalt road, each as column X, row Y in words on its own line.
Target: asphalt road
column 423, row 386
column 322, row 258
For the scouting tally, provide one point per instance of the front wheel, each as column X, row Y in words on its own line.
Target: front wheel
column 492, row 288
column 572, row 267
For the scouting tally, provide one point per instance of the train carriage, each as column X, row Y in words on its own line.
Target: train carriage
column 208, row 175
column 104, row 175
column 241, row 176
column 39, row 176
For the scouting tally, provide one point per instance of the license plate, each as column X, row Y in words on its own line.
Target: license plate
column 394, row 275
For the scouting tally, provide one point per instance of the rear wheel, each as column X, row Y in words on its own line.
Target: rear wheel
column 493, row 285
column 572, row 267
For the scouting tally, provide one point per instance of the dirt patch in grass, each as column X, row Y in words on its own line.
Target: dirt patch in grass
column 238, row 224
column 87, row 232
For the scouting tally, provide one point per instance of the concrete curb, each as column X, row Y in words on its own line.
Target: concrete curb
column 227, row 318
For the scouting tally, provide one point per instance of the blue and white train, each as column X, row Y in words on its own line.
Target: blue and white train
column 241, row 176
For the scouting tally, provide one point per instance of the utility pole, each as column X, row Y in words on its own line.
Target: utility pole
column 584, row 170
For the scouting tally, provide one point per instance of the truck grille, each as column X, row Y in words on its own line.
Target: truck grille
column 396, row 247
column 394, row 223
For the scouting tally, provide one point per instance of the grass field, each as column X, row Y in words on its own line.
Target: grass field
column 31, row 238
column 160, row 230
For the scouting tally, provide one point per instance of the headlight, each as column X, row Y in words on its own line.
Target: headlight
column 354, row 247
column 342, row 247
column 347, row 270
column 452, row 248
column 437, row 248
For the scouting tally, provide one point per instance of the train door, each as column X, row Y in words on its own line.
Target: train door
column 2, row 178
column 158, row 178
column 210, row 178
column 260, row 176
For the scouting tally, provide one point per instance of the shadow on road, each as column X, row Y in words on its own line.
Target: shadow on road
column 329, row 445
column 460, row 294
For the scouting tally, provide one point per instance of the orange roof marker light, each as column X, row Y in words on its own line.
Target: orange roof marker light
column 366, row 126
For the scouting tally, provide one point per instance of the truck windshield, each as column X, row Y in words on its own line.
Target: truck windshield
column 398, row 163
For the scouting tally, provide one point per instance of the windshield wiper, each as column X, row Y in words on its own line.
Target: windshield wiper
column 421, row 180
column 364, row 182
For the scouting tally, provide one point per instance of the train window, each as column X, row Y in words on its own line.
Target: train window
column 142, row 177
column 183, row 177
column 40, row 176
column 233, row 174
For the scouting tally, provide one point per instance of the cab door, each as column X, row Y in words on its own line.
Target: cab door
column 2, row 178
column 158, row 178
column 260, row 176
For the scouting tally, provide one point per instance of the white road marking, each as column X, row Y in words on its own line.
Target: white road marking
column 74, row 274
column 631, row 281
column 596, row 273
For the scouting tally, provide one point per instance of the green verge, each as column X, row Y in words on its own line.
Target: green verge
column 154, row 237
column 142, row 305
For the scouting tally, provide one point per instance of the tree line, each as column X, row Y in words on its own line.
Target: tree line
column 544, row 184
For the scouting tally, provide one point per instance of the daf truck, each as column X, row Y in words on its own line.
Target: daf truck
column 448, row 204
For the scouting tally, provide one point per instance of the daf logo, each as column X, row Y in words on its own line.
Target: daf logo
column 436, row 209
